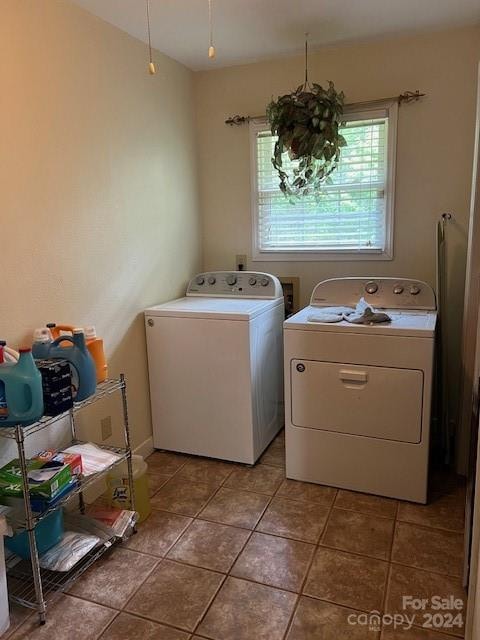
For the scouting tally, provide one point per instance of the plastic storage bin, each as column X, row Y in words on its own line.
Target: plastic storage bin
column 119, row 492
column 48, row 533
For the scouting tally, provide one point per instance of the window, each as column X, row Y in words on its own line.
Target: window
column 353, row 217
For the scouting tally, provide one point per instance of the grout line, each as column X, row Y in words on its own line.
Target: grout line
column 434, row 571
column 100, row 604
column 149, row 473
column 168, row 624
column 136, row 590
column 199, row 516
column 327, row 519
column 156, row 621
column 318, row 544
column 364, row 513
column 107, row 626
column 430, row 526
column 357, row 554
column 210, row 604
column 309, row 567
column 442, row 631
column 336, row 604
column 386, row 586
column 228, row 574
column 427, row 527
column 157, row 562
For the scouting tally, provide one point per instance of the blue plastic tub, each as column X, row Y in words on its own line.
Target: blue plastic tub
column 48, row 533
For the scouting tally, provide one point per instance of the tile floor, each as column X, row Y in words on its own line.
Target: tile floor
column 238, row 553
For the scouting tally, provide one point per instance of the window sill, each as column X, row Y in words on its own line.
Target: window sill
column 320, row 256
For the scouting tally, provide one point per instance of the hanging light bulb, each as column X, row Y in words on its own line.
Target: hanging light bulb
column 151, row 65
column 211, row 49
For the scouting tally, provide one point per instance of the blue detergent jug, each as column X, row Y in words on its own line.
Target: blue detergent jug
column 22, row 384
column 84, row 375
column 42, row 339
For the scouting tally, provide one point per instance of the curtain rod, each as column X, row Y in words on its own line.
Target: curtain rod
column 407, row 96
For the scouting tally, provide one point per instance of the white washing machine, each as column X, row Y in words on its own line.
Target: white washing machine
column 215, row 361
column 358, row 397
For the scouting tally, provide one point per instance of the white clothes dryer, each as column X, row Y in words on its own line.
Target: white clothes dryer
column 358, row 397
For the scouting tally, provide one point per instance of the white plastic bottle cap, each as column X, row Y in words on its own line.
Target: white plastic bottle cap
column 90, row 332
column 42, row 335
column 78, row 330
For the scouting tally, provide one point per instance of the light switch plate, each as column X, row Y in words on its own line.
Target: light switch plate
column 241, row 262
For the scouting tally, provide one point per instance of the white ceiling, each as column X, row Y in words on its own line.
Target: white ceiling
column 249, row 30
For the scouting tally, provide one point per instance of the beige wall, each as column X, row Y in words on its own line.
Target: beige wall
column 434, row 152
column 98, row 201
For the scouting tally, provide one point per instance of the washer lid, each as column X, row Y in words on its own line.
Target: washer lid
column 214, row 308
column 404, row 323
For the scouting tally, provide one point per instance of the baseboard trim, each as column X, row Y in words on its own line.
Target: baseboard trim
column 146, row 448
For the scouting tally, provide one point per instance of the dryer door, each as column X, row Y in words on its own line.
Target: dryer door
column 377, row 402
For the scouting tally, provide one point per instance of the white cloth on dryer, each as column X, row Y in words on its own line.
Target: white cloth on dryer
column 330, row 314
column 366, row 314
column 362, row 314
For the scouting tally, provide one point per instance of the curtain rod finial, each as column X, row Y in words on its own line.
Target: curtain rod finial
column 237, row 120
column 410, row 96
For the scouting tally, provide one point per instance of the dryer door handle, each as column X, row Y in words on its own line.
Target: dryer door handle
column 357, row 377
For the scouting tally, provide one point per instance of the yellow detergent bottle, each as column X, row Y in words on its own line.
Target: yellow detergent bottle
column 118, row 488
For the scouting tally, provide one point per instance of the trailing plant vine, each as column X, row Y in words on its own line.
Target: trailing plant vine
column 307, row 123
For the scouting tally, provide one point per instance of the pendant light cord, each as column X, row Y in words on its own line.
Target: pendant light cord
column 151, row 65
column 210, row 22
column 211, row 48
column 306, row 60
column 148, row 30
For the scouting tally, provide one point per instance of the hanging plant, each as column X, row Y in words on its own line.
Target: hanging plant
column 307, row 123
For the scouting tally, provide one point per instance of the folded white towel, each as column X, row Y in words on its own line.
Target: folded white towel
column 325, row 317
column 330, row 314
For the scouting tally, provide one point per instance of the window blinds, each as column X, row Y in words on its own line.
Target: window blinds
column 349, row 215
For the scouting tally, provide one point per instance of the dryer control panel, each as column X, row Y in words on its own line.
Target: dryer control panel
column 236, row 284
column 382, row 293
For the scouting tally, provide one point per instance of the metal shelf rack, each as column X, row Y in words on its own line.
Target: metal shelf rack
column 28, row 584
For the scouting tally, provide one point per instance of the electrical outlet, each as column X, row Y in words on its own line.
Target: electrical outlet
column 241, row 263
column 106, row 424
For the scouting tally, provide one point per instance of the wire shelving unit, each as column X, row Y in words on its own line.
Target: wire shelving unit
column 28, row 584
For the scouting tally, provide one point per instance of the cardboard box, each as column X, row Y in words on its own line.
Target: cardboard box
column 44, row 479
column 57, row 386
column 74, row 460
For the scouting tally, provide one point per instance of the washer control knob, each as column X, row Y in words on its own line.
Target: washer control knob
column 371, row 287
column 211, row 280
column 398, row 289
column 415, row 290
column 200, row 280
column 150, row 322
column 300, row 367
column 252, row 281
column 231, row 280
column 264, row 282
